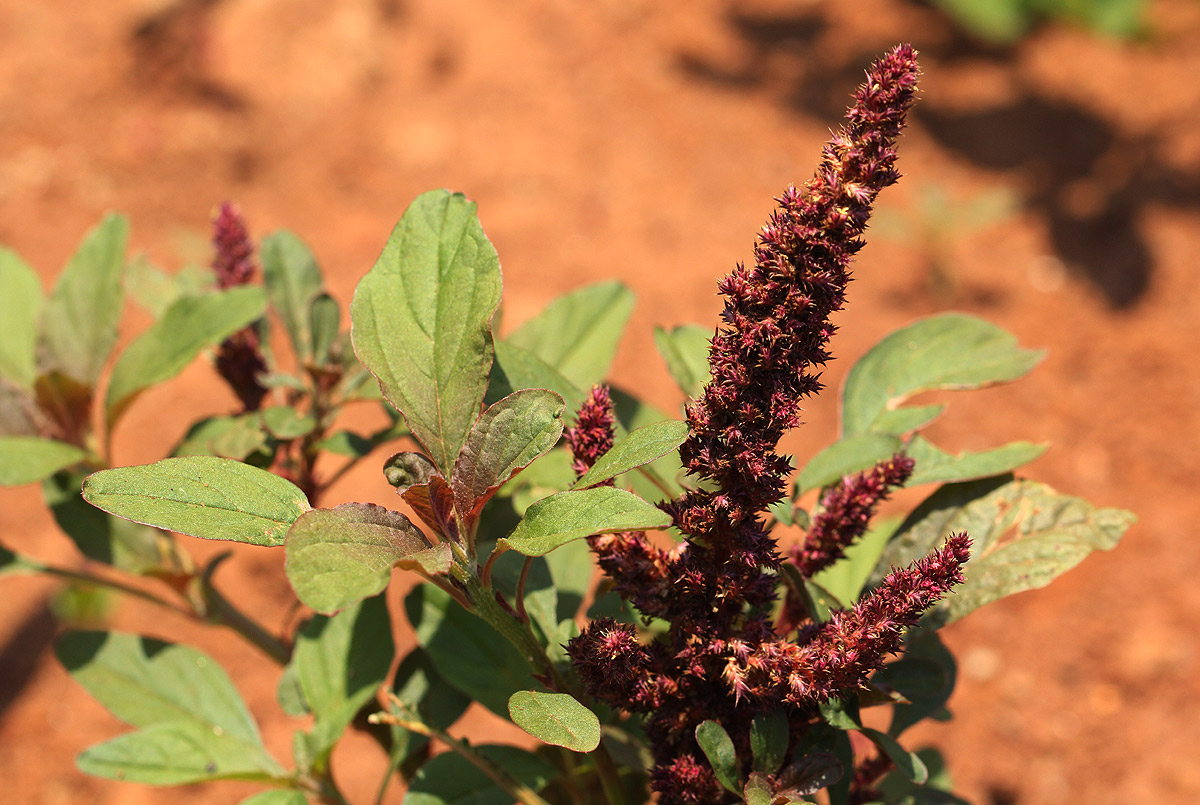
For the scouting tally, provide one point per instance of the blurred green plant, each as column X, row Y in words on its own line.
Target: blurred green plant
column 1004, row 22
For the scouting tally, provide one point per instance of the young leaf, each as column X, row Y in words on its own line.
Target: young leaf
column 906, row 762
column 951, row 351
column 578, row 332
column 718, row 748
column 560, row 518
column 937, row 466
column 451, row 779
column 338, row 556
column 28, row 459
column 508, row 436
column 421, row 320
column 285, row 422
column 235, row 437
column 758, row 790
column 769, row 740
column 193, row 723
column 189, row 325
column 685, row 350
column 1024, row 535
column 203, row 496
column 556, row 719
column 20, row 304
column 841, row 713
column 79, row 321
column 467, row 652
column 636, row 448
column 846, row 456
column 341, row 662
column 326, row 326
column 155, row 290
column 293, row 280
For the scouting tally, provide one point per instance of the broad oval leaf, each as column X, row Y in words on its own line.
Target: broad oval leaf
column 722, row 757
column 951, row 351
column 576, row 514
column 769, row 740
column 451, row 779
column 578, row 332
column 467, row 652
column 685, row 350
column 27, row 459
column 285, row 422
column 934, row 465
column 518, row 368
column 177, row 753
column 845, row 579
column 79, row 321
column 421, row 320
column 808, row 775
column 292, row 279
column 189, row 325
column 203, row 496
column 340, row 664
column 336, row 557
column 636, row 448
column 20, row 305
column 555, row 718
column 194, row 725
column 509, row 435
column 1024, row 535
column 899, row 421
column 846, row 456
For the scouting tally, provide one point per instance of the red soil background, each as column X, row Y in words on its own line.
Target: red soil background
column 645, row 141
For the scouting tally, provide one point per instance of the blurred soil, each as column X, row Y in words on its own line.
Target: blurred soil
column 645, row 141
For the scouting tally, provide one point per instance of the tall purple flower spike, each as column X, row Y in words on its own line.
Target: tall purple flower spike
column 721, row 659
column 239, row 358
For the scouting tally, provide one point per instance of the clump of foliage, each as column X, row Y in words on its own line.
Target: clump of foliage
column 1004, row 22
column 719, row 660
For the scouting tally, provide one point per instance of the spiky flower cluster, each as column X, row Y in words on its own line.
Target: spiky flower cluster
column 721, row 659
column 239, row 359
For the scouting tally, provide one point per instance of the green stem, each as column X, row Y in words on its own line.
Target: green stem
column 112, row 584
column 224, row 613
column 523, row 793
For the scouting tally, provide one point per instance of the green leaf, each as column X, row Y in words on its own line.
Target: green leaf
column 659, row 479
column 951, row 351
column 450, row 779
column 934, row 465
column 132, row 547
column 156, row 290
column 509, row 435
column 235, row 437
column 925, row 647
column 338, row 556
column 844, row 457
column 907, row 763
column 292, row 280
column 808, row 774
column 636, row 448
column 467, row 652
column 28, row 459
column 419, row 685
column 841, row 714
column 177, row 753
column 570, row 569
column 769, row 740
column 346, row 443
column 718, row 748
column 289, row 694
column 194, row 725
column 341, row 662
column 189, row 325
column 421, row 320
column 79, row 321
column 1024, row 535
column 899, row 421
column 203, row 496
column 326, row 327
column 685, row 350
column 758, row 790
column 278, row 796
column 556, row 719
column 521, row 369
column 285, row 422
column 19, row 412
column 560, row 518
column 20, row 304
column 578, row 332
